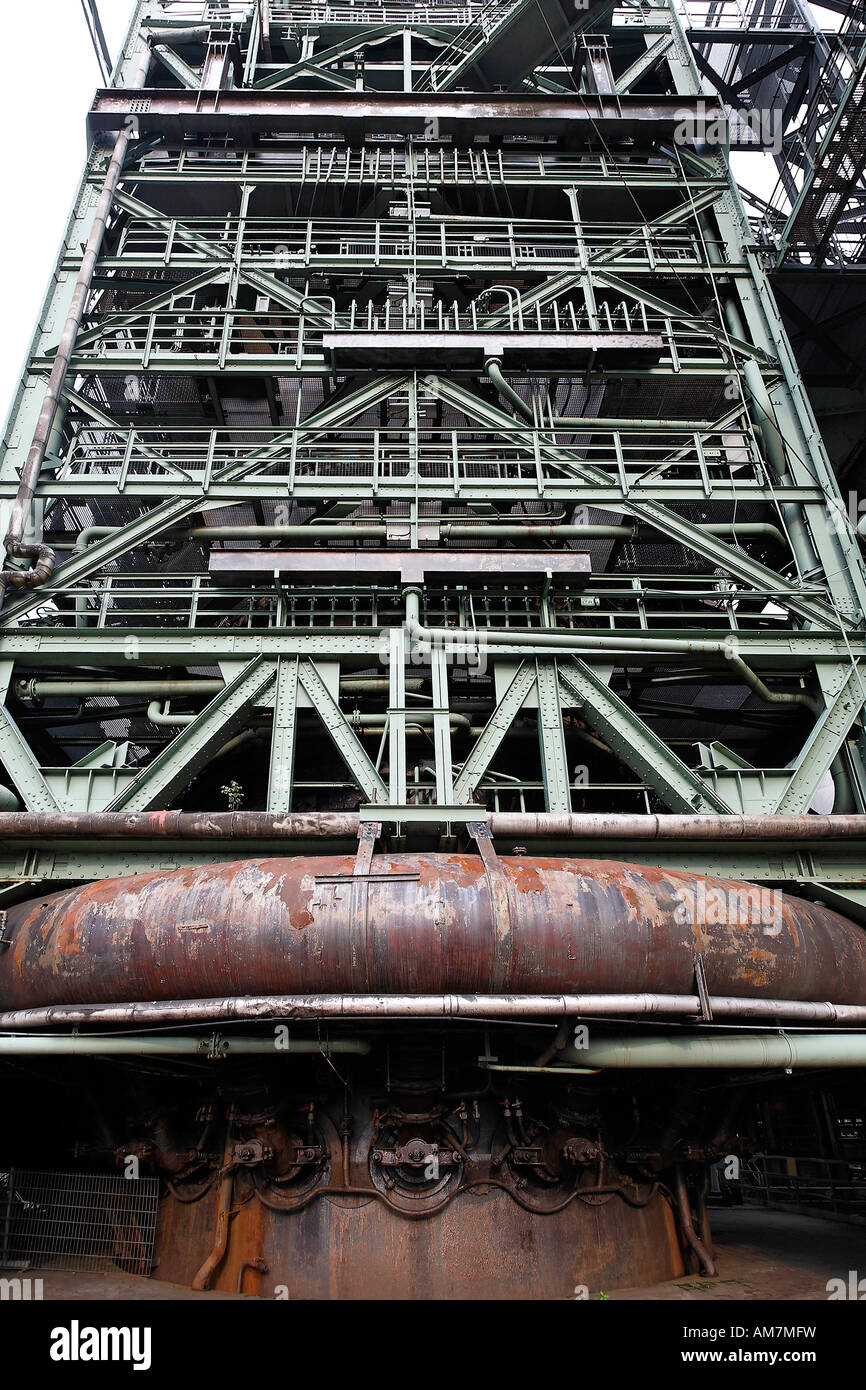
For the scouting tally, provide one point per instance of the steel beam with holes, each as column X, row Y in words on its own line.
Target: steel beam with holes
column 635, row 744
column 173, row 768
column 341, row 733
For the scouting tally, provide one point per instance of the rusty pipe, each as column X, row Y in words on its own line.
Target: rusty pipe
column 27, row 579
column 221, row 1235
column 58, row 1045
column 258, row 1265
column 304, row 1007
column 326, row 825
column 686, row 1223
column 14, row 542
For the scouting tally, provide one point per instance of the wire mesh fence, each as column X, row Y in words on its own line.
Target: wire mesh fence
column 77, row 1221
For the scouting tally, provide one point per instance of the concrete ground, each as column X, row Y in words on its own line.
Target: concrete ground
column 760, row 1255
column 771, row 1255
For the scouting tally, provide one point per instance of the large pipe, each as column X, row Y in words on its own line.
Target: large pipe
column 339, row 825
column 164, row 689
column 756, row 1050
column 422, row 923
column 192, row 34
column 59, row 1046
column 300, row 1008
column 60, row 368
column 37, row 689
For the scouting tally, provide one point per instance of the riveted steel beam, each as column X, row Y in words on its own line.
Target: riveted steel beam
column 635, row 744
column 172, row 769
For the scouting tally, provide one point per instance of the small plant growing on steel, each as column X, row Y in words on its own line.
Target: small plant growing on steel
column 234, row 795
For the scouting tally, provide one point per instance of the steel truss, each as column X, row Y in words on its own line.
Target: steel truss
column 434, row 301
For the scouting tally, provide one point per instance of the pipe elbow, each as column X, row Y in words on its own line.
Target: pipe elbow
column 42, row 570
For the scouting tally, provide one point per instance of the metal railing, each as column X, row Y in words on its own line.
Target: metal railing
column 77, row 1221
column 194, row 602
column 742, row 14
column 425, row 163
column 831, row 1185
column 282, row 243
column 631, row 457
column 177, row 337
column 308, row 12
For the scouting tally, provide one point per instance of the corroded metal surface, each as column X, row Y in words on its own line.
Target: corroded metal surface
column 354, row 1247
column 423, row 923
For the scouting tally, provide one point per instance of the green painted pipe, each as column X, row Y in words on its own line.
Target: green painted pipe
column 758, row 1050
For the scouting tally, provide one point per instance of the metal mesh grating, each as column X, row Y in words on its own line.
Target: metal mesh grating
column 77, row 1221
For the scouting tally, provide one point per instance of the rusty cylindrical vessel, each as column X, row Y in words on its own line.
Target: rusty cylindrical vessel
column 423, row 923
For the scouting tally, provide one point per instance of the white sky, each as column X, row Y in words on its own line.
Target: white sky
column 45, row 94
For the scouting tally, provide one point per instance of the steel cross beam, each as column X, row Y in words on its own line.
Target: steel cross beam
column 173, row 768
column 342, row 734
column 661, row 518
column 245, row 113
column 635, row 744
column 163, row 517
column 825, row 740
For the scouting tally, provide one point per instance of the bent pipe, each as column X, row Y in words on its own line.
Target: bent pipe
column 684, row 1210
column 423, row 924
column 339, row 825
column 221, row 1234
column 301, row 1007
column 575, row 642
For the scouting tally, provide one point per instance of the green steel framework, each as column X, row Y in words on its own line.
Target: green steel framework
column 456, row 302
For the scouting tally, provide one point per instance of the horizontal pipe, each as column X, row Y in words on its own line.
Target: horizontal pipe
column 300, row 1007
column 194, row 34
column 415, row 716
column 327, row 825
column 757, row 1050
column 610, row 422
column 596, row 641
column 36, row 689
column 60, row 1046
column 566, row 825
column 165, row 689
column 456, row 531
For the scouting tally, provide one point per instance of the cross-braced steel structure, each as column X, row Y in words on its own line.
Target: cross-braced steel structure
column 411, row 453
column 357, row 337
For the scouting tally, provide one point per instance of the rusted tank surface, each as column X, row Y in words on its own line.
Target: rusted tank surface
column 482, row 1246
column 423, row 923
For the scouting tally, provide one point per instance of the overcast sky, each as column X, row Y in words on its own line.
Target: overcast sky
column 45, row 95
